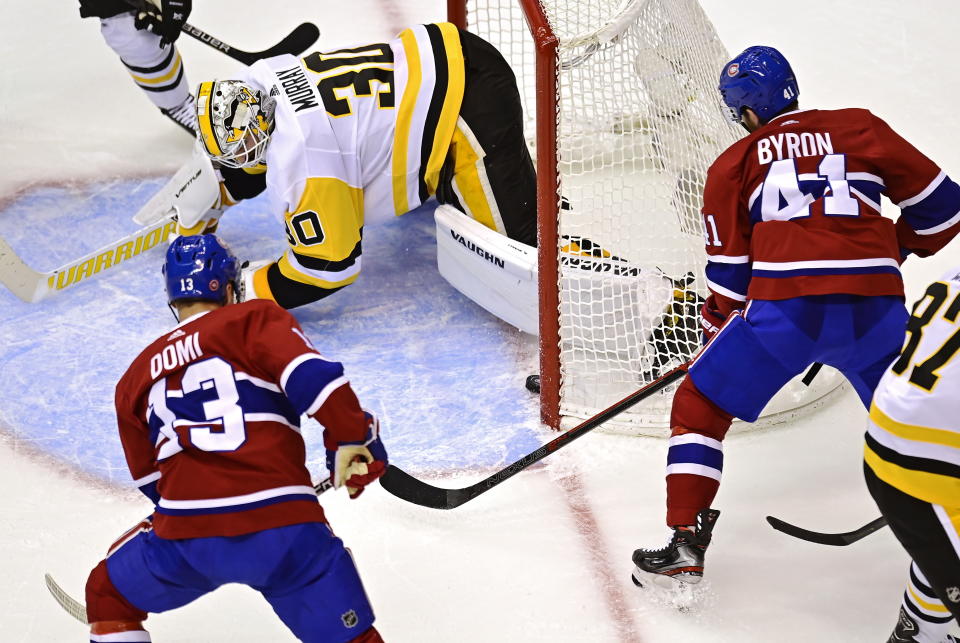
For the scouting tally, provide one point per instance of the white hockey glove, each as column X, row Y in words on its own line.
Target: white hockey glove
column 249, row 276
column 357, row 464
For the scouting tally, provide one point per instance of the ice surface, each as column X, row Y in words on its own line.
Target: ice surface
column 543, row 557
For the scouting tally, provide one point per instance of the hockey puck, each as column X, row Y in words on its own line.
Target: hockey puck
column 533, row 383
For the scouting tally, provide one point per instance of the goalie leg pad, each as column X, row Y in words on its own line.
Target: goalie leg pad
column 497, row 273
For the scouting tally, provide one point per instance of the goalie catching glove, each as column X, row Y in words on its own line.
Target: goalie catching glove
column 357, row 464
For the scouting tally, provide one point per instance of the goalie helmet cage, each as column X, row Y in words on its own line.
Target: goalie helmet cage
column 623, row 119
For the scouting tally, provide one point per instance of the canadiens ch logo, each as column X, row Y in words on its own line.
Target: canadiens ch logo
column 733, row 70
column 349, row 618
column 214, row 285
column 953, row 593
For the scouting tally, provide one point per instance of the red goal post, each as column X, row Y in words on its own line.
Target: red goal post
column 623, row 119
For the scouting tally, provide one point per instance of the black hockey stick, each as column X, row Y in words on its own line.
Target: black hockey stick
column 295, row 42
column 406, row 487
column 837, row 540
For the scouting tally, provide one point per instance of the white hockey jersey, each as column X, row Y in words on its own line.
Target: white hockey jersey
column 361, row 135
column 913, row 435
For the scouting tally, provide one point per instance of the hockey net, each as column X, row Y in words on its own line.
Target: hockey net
column 623, row 120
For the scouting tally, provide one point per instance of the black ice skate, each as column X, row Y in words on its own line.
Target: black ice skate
column 907, row 630
column 584, row 254
column 681, row 561
column 183, row 115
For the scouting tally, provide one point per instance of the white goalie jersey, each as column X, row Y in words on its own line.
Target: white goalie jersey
column 361, row 135
column 913, row 436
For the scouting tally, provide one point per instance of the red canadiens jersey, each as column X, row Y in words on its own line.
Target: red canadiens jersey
column 209, row 417
column 794, row 208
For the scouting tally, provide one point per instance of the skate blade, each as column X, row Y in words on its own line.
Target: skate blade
column 676, row 592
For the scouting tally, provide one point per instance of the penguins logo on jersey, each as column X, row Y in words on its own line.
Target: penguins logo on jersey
column 953, row 593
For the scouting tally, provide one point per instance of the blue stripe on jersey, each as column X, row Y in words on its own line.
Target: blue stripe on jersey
column 817, row 188
column 308, row 379
column 695, row 454
column 153, row 423
column 732, row 276
column 939, row 206
column 254, row 399
column 869, row 189
column 234, row 508
column 150, row 491
column 803, row 272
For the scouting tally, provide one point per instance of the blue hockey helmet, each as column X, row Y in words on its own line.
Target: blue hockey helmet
column 759, row 78
column 199, row 267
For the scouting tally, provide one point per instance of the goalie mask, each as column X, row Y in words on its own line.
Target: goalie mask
column 235, row 121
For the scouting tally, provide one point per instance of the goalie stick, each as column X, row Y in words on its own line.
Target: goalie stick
column 406, row 487
column 32, row 286
column 837, row 540
column 191, row 190
column 295, row 42
column 78, row 610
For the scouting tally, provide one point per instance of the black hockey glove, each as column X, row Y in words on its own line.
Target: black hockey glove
column 166, row 20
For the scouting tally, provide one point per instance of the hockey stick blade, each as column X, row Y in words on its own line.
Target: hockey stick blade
column 187, row 194
column 32, row 286
column 404, row 486
column 72, row 606
column 836, row 540
column 295, row 43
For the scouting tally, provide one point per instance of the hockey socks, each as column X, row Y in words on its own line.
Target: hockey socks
column 157, row 70
column 923, row 617
column 695, row 454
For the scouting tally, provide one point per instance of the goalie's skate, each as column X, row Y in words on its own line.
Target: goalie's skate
column 908, row 630
column 184, row 115
column 584, row 254
column 681, row 560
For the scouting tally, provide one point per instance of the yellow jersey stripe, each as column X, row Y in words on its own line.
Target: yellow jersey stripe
column 158, row 80
column 334, row 205
column 930, row 487
column 930, row 607
column 450, row 112
column 261, row 285
column 466, row 176
column 401, row 134
column 913, row 432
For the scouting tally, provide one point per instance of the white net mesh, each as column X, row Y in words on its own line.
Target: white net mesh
column 639, row 122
